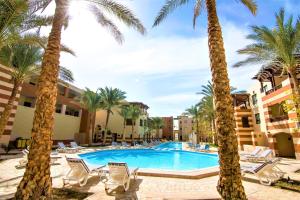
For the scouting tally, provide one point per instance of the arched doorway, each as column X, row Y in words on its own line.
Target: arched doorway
column 285, row 145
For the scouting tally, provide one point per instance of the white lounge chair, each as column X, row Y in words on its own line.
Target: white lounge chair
column 146, row 144
column 119, row 175
column 115, row 145
column 23, row 162
column 124, row 144
column 267, row 172
column 253, row 153
column 265, row 155
column 136, row 145
column 63, row 149
column 76, row 146
column 79, row 172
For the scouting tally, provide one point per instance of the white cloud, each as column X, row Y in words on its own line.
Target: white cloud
column 135, row 66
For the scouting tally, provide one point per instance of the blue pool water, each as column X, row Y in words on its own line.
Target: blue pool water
column 170, row 146
column 153, row 159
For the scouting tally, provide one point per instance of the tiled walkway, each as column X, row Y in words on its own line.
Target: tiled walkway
column 152, row 187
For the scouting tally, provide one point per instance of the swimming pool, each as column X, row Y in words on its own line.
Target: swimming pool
column 176, row 160
column 169, row 146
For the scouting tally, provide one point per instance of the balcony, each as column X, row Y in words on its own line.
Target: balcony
column 279, row 118
column 277, row 87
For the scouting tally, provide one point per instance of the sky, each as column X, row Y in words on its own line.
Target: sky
column 165, row 68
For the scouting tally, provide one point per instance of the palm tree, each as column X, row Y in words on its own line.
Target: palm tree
column 194, row 112
column 278, row 47
column 16, row 19
column 36, row 182
column 206, row 105
column 157, row 124
column 230, row 183
column 124, row 112
column 91, row 101
column 24, row 61
column 110, row 98
column 134, row 114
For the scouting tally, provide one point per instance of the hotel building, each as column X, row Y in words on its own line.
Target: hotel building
column 71, row 120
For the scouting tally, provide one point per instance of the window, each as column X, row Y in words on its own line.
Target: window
column 254, row 99
column 141, row 122
column 245, row 122
column 129, row 122
column 265, row 88
column 277, row 112
column 27, row 104
column 72, row 111
column 257, row 118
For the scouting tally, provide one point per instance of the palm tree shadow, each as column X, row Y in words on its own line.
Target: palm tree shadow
column 119, row 193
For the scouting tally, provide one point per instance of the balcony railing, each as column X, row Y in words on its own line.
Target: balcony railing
column 279, row 118
column 274, row 89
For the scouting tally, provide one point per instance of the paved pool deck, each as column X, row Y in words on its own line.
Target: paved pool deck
column 148, row 187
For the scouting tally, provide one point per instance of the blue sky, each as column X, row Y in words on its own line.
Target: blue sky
column 165, row 68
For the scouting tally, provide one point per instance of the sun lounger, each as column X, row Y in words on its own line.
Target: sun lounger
column 202, row 147
column 63, row 149
column 23, row 162
column 253, row 153
column 76, row 146
column 115, row 145
column 262, row 156
column 119, row 175
column 136, row 144
column 267, row 172
column 124, row 144
column 79, row 172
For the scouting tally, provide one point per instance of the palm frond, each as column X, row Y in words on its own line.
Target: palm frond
column 66, row 74
column 105, row 22
column 247, row 61
column 23, row 59
column 66, row 49
column 38, row 5
column 124, row 14
column 169, row 7
column 197, row 10
column 251, row 5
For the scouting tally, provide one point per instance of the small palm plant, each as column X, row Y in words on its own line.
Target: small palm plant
column 134, row 113
column 124, row 112
column 36, row 182
column 110, row 97
column 24, row 62
column 91, row 101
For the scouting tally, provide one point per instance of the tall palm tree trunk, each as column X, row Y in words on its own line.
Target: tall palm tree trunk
column 230, row 184
column 198, row 133
column 215, row 136
column 106, row 124
column 124, row 126
column 132, row 129
column 91, row 127
column 37, row 182
column 9, row 106
column 296, row 91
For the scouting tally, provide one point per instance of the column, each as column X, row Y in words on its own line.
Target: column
column 63, row 109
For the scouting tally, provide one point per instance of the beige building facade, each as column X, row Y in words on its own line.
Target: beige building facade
column 71, row 120
column 116, row 124
column 274, row 126
column 185, row 127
